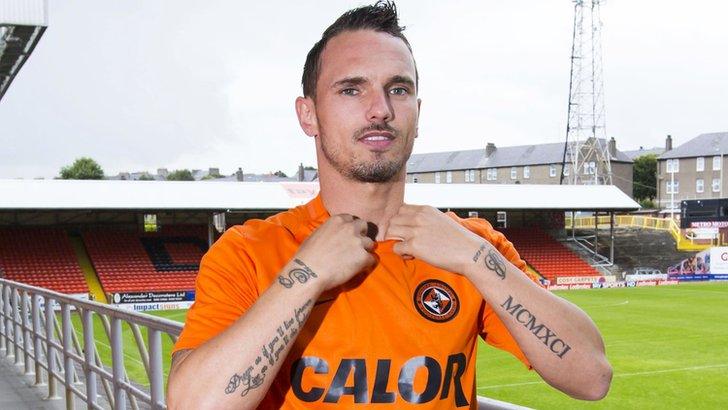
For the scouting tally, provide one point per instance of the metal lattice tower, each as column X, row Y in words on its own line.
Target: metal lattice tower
column 586, row 152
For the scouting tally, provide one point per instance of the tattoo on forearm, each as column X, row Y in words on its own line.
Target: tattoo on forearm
column 478, row 253
column 525, row 317
column 495, row 262
column 301, row 275
column 270, row 353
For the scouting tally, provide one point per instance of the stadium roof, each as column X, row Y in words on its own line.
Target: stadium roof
column 22, row 23
column 52, row 195
column 704, row 145
column 514, row 156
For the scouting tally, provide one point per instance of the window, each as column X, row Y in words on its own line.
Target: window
column 526, row 172
column 716, row 184
column 699, row 185
column 673, row 165
column 469, row 175
column 700, row 164
column 716, row 163
column 491, row 174
column 552, row 170
column 514, row 172
column 437, row 177
column 672, row 189
column 566, row 170
column 414, row 178
column 448, row 177
column 590, row 168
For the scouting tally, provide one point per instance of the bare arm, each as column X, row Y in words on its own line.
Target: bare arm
column 236, row 368
column 560, row 341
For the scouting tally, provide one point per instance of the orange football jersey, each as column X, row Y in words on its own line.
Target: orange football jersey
column 402, row 336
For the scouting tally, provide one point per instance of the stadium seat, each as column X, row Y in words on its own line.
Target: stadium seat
column 546, row 255
column 41, row 257
column 128, row 261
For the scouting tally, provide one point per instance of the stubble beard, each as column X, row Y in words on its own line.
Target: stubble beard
column 376, row 171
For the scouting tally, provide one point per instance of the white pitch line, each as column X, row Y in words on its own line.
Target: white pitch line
column 680, row 369
column 608, row 305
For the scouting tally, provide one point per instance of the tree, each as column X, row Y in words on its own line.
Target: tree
column 309, row 168
column 145, row 177
column 82, row 168
column 644, row 177
column 180, row 175
column 280, row 174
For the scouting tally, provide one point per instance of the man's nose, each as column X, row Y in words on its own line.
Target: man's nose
column 380, row 107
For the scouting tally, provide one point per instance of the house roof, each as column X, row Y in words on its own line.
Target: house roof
column 704, row 145
column 642, row 151
column 513, row 156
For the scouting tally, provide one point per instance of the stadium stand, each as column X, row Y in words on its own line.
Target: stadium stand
column 41, row 257
column 128, row 261
column 546, row 255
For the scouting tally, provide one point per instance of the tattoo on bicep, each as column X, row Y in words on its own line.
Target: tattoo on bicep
column 525, row 317
column 302, row 275
column 270, row 353
column 495, row 262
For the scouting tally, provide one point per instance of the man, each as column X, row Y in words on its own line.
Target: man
column 356, row 298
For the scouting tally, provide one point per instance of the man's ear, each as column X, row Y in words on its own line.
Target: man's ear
column 419, row 105
column 306, row 112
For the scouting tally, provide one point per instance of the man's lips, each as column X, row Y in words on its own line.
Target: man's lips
column 378, row 140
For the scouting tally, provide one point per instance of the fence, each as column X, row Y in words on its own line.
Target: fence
column 37, row 331
column 682, row 242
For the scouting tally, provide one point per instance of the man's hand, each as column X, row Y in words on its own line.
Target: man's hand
column 430, row 235
column 338, row 250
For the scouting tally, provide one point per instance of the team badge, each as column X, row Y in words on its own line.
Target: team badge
column 435, row 300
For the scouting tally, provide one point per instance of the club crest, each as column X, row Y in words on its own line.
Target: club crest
column 435, row 300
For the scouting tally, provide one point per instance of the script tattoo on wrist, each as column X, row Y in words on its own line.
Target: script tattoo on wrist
column 525, row 317
column 495, row 262
column 302, row 275
column 270, row 353
column 479, row 252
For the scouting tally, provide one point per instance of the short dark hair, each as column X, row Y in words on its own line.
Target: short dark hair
column 381, row 16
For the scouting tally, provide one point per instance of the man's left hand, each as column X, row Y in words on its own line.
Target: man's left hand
column 430, row 235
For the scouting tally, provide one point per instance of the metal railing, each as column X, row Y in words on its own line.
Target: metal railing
column 37, row 331
column 647, row 222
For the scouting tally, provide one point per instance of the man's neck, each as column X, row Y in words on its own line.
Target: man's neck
column 376, row 203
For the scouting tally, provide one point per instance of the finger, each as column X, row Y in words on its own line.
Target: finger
column 361, row 226
column 367, row 243
column 405, row 220
column 402, row 248
column 399, row 232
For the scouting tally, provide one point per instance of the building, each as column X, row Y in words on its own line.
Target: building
column 693, row 170
column 522, row 164
column 634, row 154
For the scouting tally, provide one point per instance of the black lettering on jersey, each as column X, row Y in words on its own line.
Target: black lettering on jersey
column 380, row 394
column 156, row 248
column 452, row 360
column 359, row 390
column 406, row 380
column 320, row 366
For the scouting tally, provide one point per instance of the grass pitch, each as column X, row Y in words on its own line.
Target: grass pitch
column 668, row 346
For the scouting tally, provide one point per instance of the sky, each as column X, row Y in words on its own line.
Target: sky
column 141, row 85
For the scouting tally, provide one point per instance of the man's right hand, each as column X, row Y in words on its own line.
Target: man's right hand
column 338, row 250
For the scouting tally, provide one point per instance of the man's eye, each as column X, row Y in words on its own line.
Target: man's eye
column 399, row 91
column 349, row 91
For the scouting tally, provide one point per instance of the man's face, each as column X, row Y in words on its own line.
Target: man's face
column 366, row 106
